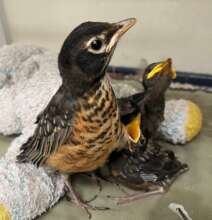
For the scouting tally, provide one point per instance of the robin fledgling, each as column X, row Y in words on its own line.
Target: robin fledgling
column 150, row 104
column 81, row 126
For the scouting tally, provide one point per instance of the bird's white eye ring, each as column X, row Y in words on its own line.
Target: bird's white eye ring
column 96, row 45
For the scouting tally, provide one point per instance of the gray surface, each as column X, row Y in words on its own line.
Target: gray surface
column 193, row 189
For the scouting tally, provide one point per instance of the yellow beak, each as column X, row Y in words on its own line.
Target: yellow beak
column 160, row 67
column 122, row 27
column 133, row 129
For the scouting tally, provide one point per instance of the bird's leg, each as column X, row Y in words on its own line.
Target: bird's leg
column 137, row 196
column 97, row 179
column 74, row 197
column 120, row 188
column 78, row 201
column 161, row 188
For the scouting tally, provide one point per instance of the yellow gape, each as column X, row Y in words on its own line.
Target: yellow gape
column 158, row 68
column 155, row 70
column 4, row 214
column 133, row 129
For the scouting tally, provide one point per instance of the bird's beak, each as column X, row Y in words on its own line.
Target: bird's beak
column 167, row 64
column 121, row 27
column 133, row 129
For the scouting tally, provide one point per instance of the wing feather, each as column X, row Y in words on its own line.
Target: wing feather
column 53, row 129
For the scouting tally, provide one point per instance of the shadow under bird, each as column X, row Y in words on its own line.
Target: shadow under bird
column 81, row 125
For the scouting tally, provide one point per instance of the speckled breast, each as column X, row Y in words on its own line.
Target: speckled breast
column 97, row 127
column 98, row 120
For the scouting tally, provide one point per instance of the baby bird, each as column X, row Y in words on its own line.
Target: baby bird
column 81, row 126
column 150, row 104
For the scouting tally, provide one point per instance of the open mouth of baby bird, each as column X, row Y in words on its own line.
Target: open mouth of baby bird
column 167, row 64
column 133, row 129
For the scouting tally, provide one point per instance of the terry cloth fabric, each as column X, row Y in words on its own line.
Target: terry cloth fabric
column 26, row 191
column 28, row 79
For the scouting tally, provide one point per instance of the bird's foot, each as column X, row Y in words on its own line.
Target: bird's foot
column 97, row 180
column 74, row 197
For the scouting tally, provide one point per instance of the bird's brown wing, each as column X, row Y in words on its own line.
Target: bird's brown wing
column 53, row 129
column 50, row 133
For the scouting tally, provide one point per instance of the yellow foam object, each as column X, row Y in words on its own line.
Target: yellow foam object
column 4, row 213
column 133, row 129
column 193, row 123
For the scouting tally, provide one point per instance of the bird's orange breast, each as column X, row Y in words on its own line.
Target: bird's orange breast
column 97, row 131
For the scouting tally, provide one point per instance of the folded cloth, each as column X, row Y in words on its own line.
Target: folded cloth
column 25, row 190
column 31, row 78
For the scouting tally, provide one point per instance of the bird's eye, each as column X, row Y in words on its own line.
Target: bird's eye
column 96, row 44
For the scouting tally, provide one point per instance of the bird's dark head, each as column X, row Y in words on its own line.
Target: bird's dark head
column 155, row 70
column 87, row 50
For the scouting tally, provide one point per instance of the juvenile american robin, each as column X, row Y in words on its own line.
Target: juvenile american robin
column 81, row 126
column 150, row 104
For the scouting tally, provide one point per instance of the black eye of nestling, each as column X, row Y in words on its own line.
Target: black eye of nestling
column 96, row 44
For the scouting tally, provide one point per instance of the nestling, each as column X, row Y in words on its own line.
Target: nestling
column 150, row 104
column 81, row 126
